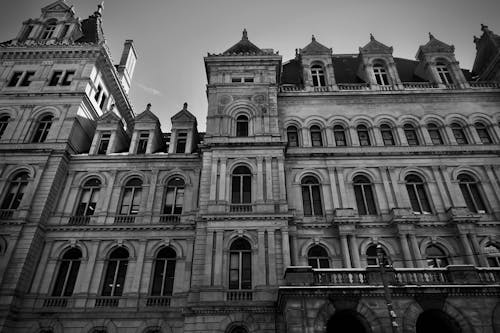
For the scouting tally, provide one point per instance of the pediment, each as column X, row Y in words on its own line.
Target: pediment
column 146, row 116
column 183, row 116
column 435, row 46
column 314, row 47
column 58, row 6
column 375, row 47
column 109, row 118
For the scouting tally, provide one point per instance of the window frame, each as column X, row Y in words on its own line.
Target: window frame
column 483, row 133
column 436, row 260
column 318, row 75
column 243, row 179
column 94, row 191
column 363, row 129
column 365, row 186
column 244, row 256
column 418, row 194
column 292, row 130
column 142, row 142
column 459, row 133
column 444, row 73
column 181, row 143
column 435, row 134
column 17, row 186
column 48, row 31
column 316, row 136
column 69, row 275
column 176, row 189
column 104, row 140
column 4, row 123
column 411, row 135
column 311, row 194
column 133, row 190
column 242, row 126
column 472, row 193
column 381, row 74
column 386, row 131
column 372, row 259
column 159, row 273
column 119, row 274
column 318, row 260
column 340, row 136
column 42, row 128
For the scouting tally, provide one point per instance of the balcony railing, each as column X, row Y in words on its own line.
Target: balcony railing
column 107, row 302
column 240, row 208
column 484, row 84
column 170, row 218
column 340, row 277
column 353, row 86
column 55, row 302
column 419, row 85
column 79, row 220
column 158, row 301
column 6, row 214
column 124, row 219
column 239, row 295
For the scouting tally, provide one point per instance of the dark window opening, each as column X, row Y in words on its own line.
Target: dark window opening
column 363, row 135
column 339, row 135
column 142, row 144
column 27, row 79
column 131, row 197
column 116, row 270
column 14, row 80
column 363, row 192
column 104, row 143
column 387, row 135
column 311, row 197
column 4, row 122
column 435, row 134
column 418, row 196
column 317, row 257
column 68, row 77
column 242, row 126
column 180, row 148
column 316, row 138
column 164, row 272
column 292, row 136
column 174, row 197
column 240, row 265
column 241, row 188
column 16, row 191
column 318, row 76
column 56, row 76
column 88, row 198
column 68, row 272
column 43, row 128
column 470, row 191
column 411, row 135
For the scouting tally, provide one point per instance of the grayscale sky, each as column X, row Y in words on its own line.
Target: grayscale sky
column 173, row 36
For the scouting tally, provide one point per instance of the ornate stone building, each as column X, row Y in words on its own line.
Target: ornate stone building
column 318, row 181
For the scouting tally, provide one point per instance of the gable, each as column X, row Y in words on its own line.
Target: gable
column 58, row 6
column 375, row 47
column 315, row 47
column 434, row 46
column 146, row 116
column 109, row 117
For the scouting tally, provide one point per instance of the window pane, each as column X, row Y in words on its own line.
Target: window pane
column 246, row 278
column 477, row 197
column 108, row 280
column 415, row 206
column 467, row 197
column 360, row 203
column 306, row 200
column 169, row 279
column 120, row 279
column 423, row 198
column 247, row 181
column 318, row 209
column 370, row 200
column 61, row 277
column 158, row 277
column 235, row 189
column 324, row 263
column 73, row 273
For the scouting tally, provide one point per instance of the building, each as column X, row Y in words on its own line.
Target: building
column 268, row 222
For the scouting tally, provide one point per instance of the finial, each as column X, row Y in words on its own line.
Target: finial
column 431, row 36
column 484, row 27
column 313, row 38
column 148, row 107
column 100, row 7
column 245, row 34
column 371, row 37
column 185, row 106
column 476, row 39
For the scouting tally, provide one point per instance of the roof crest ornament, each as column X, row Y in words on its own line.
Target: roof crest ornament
column 245, row 35
column 148, row 107
column 313, row 38
column 484, row 28
column 431, row 36
column 100, row 7
column 371, row 37
column 185, row 106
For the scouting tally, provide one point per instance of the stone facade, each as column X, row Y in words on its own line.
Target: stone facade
column 323, row 189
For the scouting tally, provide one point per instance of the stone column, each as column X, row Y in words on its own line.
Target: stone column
column 222, row 180
column 133, row 143
column 87, row 269
column 387, row 187
column 457, row 199
column 378, row 136
column 354, row 136
column 285, row 248
column 467, row 248
column 260, row 181
column 402, row 136
column 406, row 250
column 330, row 141
column 345, row 251
column 261, row 267
column 333, row 187
column 219, row 247
column 416, row 251
column 426, row 136
column 269, row 179
column 208, row 258
column 343, row 199
column 473, row 134
column 271, row 248
column 306, row 140
column 481, row 259
column 136, row 280
column 213, row 180
column 356, row 262
column 281, row 177
column 450, row 135
column 442, row 191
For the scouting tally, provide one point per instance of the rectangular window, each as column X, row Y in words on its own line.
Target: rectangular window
column 64, row 30
column 181, row 143
column 143, row 142
column 26, row 33
column 103, row 100
column 14, row 80
column 248, row 79
column 68, row 76
column 104, row 143
column 56, row 76
column 27, row 79
column 98, row 93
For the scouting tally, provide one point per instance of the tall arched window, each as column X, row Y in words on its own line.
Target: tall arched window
column 363, row 192
column 436, row 257
column 239, row 329
column 316, row 139
column 241, row 188
column 443, row 73
column 88, row 197
column 339, row 135
column 470, row 191
column 42, row 129
column 4, row 121
column 67, row 274
column 411, row 135
column 492, row 255
column 380, row 74
column 116, row 271
column 131, row 197
column 459, row 134
column 372, row 258
column 387, row 135
column 482, row 131
column 292, row 136
column 240, row 265
column 242, row 126
column 418, row 196
column 363, row 135
column 174, row 196
column 317, row 257
column 311, row 197
column 15, row 193
column 435, row 134
column 318, row 76
column 164, row 272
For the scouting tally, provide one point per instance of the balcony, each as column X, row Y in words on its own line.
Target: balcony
column 55, row 302
column 124, row 219
column 158, row 301
column 240, row 208
column 79, row 220
column 170, row 218
column 239, row 295
column 6, row 214
column 107, row 302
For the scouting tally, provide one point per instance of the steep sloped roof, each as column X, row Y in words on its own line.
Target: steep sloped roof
column 244, row 46
column 314, row 47
column 374, row 46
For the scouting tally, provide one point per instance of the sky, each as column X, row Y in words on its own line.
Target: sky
column 172, row 36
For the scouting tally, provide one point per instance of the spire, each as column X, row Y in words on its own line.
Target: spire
column 100, row 7
column 431, row 36
column 245, row 35
column 313, row 38
column 371, row 37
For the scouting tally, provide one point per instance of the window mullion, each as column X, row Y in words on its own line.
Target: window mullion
column 240, row 269
column 115, row 276
column 311, row 200
column 165, row 263
column 66, row 277
column 365, row 202
column 417, row 195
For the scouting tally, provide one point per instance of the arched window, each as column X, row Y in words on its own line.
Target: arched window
column 48, row 31
column 241, row 188
column 239, row 329
column 164, row 272
column 153, row 330
column 242, row 126
column 240, row 265
column 4, row 121
column 435, row 134
column 131, row 197
column 482, row 131
column 363, row 135
column 435, row 257
column 470, row 191
column 292, row 136
column 318, row 76
column 411, row 135
column 380, row 74
column 15, row 193
column 365, row 200
column 418, row 196
column 317, row 257
column 459, row 134
column 88, row 197
column 42, row 129
column 339, row 135
column 372, row 258
column 316, row 139
column 492, row 255
column 387, row 135
column 174, row 196
column 443, row 73
column 116, row 271
column 68, row 272
column 311, row 197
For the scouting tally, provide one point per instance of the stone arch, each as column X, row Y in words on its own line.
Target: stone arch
column 106, row 251
column 108, row 324
column 242, row 162
column 297, row 122
column 52, row 324
column 387, row 246
column 441, row 243
column 13, row 170
column 315, row 121
column 378, row 60
column 41, row 111
column 159, row 245
column 421, row 172
column 481, row 117
column 9, row 111
column 457, row 118
column 175, row 173
column 160, row 324
column 361, row 120
column 239, row 319
column 324, row 314
column 323, row 179
column 385, row 119
column 124, row 178
column 61, row 249
column 241, row 107
column 240, row 234
column 372, row 176
column 431, row 118
column 338, row 120
column 476, row 174
column 82, row 178
column 312, row 242
column 409, row 119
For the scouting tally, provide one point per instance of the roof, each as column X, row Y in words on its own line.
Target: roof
column 315, row 47
column 375, row 47
column 244, row 46
column 92, row 29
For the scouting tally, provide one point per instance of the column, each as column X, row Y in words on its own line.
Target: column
column 343, row 200
column 173, row 139
column 450, row 135
column 356, row 262
column 260, row 182
column 378, row 136
column 416, row 251
column 222, row 180
column 213, row 180
column 82, row 285
column 387, row 187
column 306, row 140
column 281, row 177
column 473, row 134
column 456, row 197
column 426, row 135
column 333, row 187
column 402, row 200
column 494, row 184
column 481, row 259
column 271, row 249
column 139, row 263
column 330, row 141
column 345, row 251
column 442, row 191
column 261, row 267
column 467, row 248
column 219, row 248
column 151, row 195
column 285, row 248
column 354, row 136
column 41, row 274
column 269, row 179
column 406, row 250
column 402, row 136
column 133, row 143
column 208, row 258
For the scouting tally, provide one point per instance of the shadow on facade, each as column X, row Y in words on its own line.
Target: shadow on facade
column 348, row 321
column 436, row 321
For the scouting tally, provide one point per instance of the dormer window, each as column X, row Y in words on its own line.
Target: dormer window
column 64, row 31
column 318, row 76
column 49, row 30
column 143, row 142
column 380, row 74
column 242, row 126
column 104, row 143
column 242, row 79
column 180, row 148
column 443, row 73
column 26, row 33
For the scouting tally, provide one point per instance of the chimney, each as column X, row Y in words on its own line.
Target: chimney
column 127, row 64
